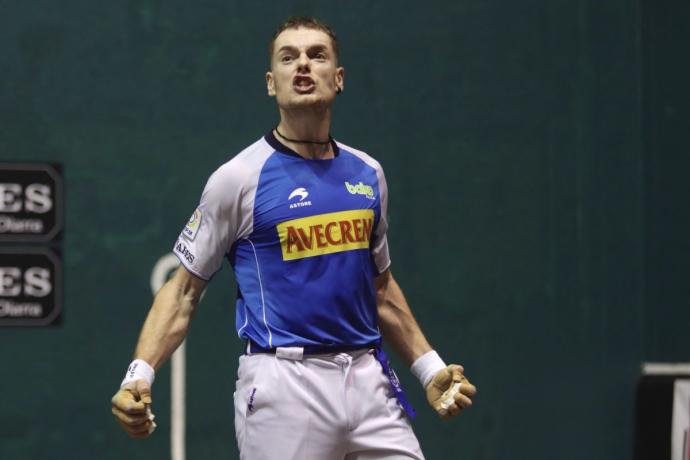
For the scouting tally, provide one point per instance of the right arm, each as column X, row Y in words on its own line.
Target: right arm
column 164, row 330
column 222, row 217
column 168, row 320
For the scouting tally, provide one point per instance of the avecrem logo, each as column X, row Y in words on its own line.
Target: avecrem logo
column 360, row 189
column 326, row 233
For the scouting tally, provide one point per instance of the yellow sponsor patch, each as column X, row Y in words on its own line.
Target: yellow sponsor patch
column 192, row 226
column 326, row 233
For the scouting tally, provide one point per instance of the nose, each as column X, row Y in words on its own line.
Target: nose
column 303, row 61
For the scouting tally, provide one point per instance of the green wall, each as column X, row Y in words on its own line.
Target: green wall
column 511, row 135
column 667, row 224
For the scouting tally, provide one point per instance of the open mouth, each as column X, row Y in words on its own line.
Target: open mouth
column 303, row 84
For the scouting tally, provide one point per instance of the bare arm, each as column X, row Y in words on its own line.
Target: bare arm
column 398, row 325
column 401, row 331
column 164, row 330
column 168, row 320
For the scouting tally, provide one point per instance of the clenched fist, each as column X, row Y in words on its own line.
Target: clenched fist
column 132, row 409
column 449, row 392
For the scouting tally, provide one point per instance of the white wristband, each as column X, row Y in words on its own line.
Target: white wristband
column 426, row 366
column 139, row 370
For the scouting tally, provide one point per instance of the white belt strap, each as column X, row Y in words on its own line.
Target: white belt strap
column 293, row 353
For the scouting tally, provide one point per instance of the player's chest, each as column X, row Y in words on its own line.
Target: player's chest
column 315, row 196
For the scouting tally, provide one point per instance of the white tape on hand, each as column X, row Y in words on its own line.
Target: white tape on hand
column 151, row 417
column 448, row 397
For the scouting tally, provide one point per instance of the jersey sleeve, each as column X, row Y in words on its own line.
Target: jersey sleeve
column 379, row 250
column 219, row 220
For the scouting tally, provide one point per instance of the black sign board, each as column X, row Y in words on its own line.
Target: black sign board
column 31, row 202
column 30, row 286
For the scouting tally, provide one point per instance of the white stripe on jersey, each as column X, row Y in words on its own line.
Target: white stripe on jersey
column 261, row 288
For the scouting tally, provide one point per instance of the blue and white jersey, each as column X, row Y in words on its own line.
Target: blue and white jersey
column 305, row 239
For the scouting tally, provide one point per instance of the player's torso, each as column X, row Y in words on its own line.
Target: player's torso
column 305, row 272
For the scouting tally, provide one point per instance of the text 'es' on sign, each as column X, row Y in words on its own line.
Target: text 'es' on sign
column 31, row 202
column 30, row 286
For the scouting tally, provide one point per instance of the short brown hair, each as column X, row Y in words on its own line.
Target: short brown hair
column 295, row 22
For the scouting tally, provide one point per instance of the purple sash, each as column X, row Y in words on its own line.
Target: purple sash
column 395, row 383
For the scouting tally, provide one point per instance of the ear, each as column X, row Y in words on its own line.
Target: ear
column 270, row 84
column 339, row 80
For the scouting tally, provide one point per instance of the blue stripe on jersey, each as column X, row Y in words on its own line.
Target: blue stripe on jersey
column 316, row 298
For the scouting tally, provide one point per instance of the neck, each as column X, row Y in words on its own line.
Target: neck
column 311, row 126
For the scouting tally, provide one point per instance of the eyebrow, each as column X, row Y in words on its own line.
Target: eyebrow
column 318, row 47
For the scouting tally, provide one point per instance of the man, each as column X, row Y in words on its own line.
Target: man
column 302, row 219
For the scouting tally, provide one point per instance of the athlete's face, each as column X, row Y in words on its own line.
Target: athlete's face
column 304, row 69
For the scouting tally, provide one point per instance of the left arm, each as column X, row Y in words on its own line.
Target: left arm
column 401, row 330
column 396, row 321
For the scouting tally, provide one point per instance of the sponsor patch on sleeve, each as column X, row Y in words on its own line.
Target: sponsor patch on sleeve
column 184, row 252
column 192, row 226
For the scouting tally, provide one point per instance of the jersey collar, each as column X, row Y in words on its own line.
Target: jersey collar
column 282, row 148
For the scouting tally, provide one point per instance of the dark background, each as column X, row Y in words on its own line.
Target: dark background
column 536, row 156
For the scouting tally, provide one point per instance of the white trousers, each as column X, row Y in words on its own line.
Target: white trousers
column 322, row 407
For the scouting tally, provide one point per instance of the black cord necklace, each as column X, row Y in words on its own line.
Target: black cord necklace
column 304, row 142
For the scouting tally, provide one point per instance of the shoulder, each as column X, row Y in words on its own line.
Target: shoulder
column 244, row 165
column 367, row 159
column 360, row 154
column 236, row 178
